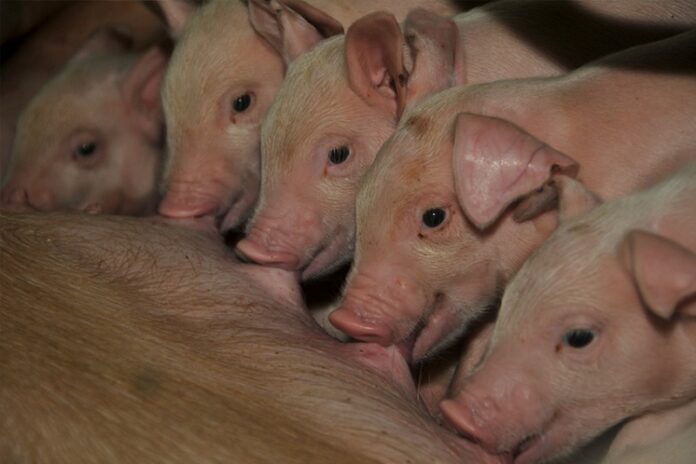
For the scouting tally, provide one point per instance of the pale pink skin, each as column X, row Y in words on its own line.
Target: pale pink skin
column 212, row 166
column 48, row 172
column 304, row 219
column 640, row 365
column 410, row 281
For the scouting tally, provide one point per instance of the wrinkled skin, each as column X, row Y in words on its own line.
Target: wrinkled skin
column 71, row 154
column 625, row 273
column 49, row 44
column 212, row 167
column 158, row 346
column 412, row 281
column 304, row 219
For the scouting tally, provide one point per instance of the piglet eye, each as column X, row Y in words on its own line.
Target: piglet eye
column 578, row 338
column 339, row 154
column 434, row 217
column 86, row 150
column 241, row 103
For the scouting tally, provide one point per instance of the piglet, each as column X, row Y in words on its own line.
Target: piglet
column 597, row 328
column 91, row 139
column 230, row 59
column 456, row 202
column 340, row 102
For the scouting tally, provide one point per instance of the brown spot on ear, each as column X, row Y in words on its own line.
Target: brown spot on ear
column 418, row 125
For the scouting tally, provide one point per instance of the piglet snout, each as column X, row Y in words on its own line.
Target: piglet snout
column 364, row 330
column 185, row 205
column 458, row 412
column 251, row 251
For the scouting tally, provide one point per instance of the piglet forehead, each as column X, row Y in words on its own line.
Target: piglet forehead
column 310, row 96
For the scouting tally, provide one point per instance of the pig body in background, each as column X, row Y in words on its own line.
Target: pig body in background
column 421, row 264
column 91, row 139
column 228, row 64
column 161, row 348
column 49, row 45
column 597, row 327
column 336, row 106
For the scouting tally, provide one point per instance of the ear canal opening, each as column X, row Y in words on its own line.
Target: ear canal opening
column 542, row 200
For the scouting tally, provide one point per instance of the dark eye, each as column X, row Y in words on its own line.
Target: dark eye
column 241, row 103
column 339, row 154
column 86, row 150
column 578, row 338
column 434, row 217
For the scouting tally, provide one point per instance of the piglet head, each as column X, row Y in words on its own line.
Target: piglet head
column 582, row 343
column 423, row 268
column 228, row 64
column 91, row 139
column 335, row 108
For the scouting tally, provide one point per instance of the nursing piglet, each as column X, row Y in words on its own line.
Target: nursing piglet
column 91, row 139
column 230, row 59
column 435, row 249
column 341, row 101
column 597, row 328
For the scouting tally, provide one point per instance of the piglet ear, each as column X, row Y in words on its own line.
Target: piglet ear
column 177, row 14
column 108, row 40
column 434, row 52
column 292, row 27
column 496, row 163
column 663, row 271
column 141, row 90
column 374, row 59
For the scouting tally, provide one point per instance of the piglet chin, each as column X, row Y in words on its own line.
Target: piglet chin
column 533, row 449
column 237, row 214
column 328, row 258
column 439, row 327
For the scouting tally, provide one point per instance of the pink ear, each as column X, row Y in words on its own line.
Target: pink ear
column 141, row 90
column 435, row 51
column 664, row 272
column 103, row 41
column 374, row 58
column 177, row 13
column 496, row 163
column 292, row 27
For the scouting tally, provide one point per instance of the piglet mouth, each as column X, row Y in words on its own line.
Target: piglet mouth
column 228, row 219
column 325, row 259
column 523, row 452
